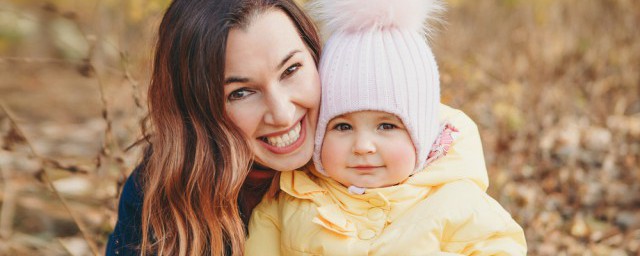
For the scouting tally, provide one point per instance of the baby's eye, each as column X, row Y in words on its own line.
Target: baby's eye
column 342, row 127
column 239, row 94
column 387, row 126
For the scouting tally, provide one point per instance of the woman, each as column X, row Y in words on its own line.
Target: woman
column 233, row 98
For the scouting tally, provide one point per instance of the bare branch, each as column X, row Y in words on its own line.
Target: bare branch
column 8, row 204
column 46, row 179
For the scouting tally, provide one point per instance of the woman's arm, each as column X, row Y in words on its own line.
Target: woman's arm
column 126, row 237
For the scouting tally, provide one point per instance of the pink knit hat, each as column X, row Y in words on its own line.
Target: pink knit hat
column 377, row 58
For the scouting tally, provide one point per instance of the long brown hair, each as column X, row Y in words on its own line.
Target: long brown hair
column 198, row 159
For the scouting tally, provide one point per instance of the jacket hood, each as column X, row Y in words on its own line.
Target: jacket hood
column 464, row 160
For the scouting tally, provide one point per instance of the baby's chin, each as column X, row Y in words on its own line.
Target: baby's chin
column 368, row 184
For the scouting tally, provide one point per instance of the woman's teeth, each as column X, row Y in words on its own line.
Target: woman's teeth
column 284, row 139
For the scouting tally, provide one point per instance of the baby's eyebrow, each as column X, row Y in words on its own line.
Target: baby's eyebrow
column 335, row 119
column 343, row 116
column 388, row 118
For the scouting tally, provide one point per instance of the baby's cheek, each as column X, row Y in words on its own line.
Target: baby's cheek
column 403, row 155
column 331, row 154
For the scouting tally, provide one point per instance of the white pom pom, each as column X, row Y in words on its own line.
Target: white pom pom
column 356, row 15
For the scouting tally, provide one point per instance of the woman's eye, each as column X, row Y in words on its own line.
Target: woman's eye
column 387, row 126
column 342, row 127
column 239, row 94
column 290, row 70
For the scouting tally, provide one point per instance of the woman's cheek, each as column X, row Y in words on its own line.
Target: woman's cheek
column 243, row 118
column 310, row 81
column 315, row 86
column 314, row 96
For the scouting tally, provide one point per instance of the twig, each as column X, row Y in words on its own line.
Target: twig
column 31, row 60
column 81, row 226
column 108, row 135
column 134, row 83
column 17, row 128
column 8, row 205
column 137, row 100
column 47, row 180
column 18, row 14
column 38, row 60
column 64, row 246
column 86, row 69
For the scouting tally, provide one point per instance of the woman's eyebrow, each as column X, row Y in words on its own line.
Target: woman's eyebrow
column 286, row 58
column 235, row 79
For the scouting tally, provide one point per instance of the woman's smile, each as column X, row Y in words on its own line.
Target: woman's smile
column 287, row 141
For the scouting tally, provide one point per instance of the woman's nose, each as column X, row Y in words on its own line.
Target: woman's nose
column 363, row 144
column 281, row 110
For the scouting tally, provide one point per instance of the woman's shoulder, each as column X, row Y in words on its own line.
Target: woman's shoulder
column 127, row 233
column 132, row 193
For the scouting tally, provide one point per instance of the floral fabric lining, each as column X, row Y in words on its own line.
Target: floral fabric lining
column 443, row 143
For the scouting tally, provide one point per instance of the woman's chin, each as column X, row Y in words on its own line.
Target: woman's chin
column 284, row 162
column 288, row 164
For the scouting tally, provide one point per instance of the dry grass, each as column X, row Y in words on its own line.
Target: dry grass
column 553, row 86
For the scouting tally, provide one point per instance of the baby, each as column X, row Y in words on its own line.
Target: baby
column 396, row 172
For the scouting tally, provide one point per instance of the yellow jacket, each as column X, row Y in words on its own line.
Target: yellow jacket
column 442, row 210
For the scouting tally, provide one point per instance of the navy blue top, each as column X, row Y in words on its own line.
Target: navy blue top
column 126, row 237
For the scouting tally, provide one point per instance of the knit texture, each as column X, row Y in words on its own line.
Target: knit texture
column 381, row 68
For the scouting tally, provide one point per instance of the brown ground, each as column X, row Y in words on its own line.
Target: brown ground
column 552, row 85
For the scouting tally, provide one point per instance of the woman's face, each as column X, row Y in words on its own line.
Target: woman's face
column 272, row 90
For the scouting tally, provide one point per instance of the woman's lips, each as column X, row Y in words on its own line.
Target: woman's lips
column 289, row 148
column 285, row 131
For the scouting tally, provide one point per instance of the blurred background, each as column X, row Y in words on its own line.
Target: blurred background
column 552, row 84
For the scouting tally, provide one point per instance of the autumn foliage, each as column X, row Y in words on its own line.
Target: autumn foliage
column 554, row 87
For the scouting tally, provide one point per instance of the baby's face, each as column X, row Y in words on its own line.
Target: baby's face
column 369, row 149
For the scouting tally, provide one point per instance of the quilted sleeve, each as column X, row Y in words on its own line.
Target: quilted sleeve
column 477, row 225
column 264, row 230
